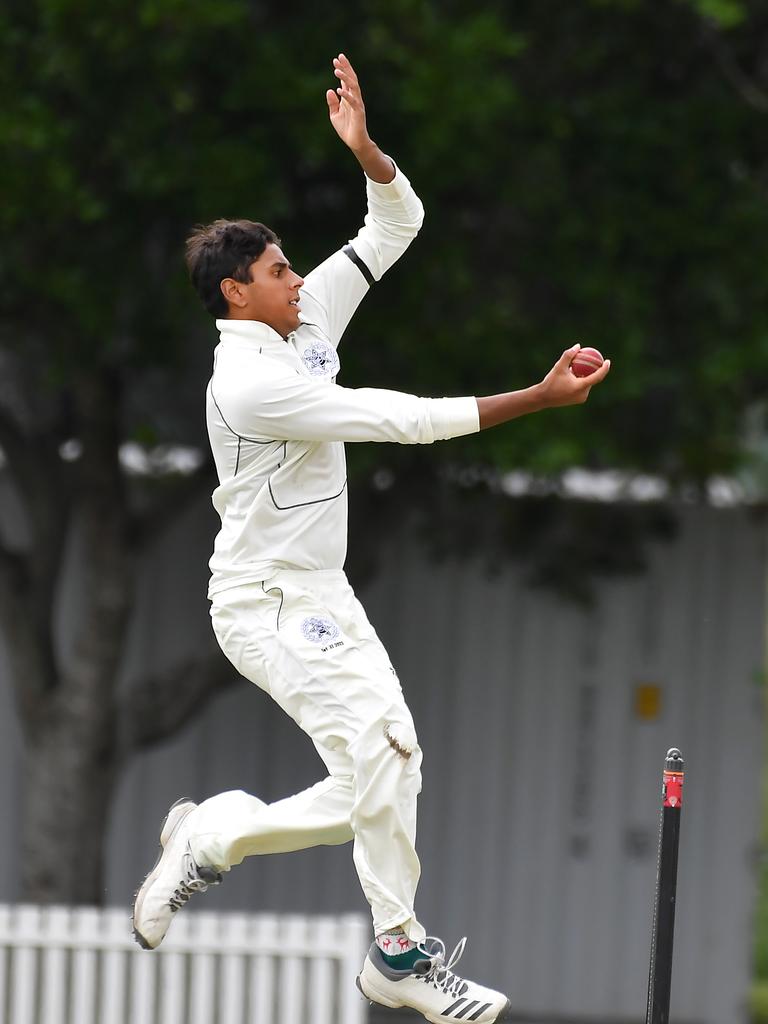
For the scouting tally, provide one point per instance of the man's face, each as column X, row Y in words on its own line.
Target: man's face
column 272, row 294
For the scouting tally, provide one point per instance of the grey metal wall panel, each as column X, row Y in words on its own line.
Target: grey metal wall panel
column 538, row 820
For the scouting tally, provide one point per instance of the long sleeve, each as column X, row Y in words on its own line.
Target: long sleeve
column 286, row 408
column 333, row 290
column 395, row 215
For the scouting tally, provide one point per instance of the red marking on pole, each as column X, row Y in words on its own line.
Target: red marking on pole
column 673, row 789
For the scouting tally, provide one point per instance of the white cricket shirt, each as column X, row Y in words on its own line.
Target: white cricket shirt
column 277, row 420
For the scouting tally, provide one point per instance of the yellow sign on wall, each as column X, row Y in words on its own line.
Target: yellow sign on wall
column 648, row 701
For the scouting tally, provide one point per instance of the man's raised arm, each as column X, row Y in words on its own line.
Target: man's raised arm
column 347, row 113
column 333, row 291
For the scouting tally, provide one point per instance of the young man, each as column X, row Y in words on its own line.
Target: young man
column 282, row 609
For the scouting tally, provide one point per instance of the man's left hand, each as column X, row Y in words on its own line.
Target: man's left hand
column 345, row 106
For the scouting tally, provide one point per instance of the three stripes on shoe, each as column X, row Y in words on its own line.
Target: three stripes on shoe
column 459, row 1012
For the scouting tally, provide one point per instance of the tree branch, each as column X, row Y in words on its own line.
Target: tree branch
column 101, row 519
column 17, row 451
column 35, row 467
column 159, row 705
column 752, row 94
column 28, row 637
column 29, row 576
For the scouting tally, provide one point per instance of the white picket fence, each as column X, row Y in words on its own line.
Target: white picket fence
column 62, row 965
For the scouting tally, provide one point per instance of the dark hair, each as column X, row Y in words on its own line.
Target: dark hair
column 225, row 248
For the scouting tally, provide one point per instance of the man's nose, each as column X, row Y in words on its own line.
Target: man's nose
column 299, row 282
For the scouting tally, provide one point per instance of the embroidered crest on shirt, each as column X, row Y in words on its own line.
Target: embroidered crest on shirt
column 319, row 631
column 321, row 359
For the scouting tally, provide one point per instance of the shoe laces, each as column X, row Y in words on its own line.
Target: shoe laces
column 436, row 970
column 196, row 879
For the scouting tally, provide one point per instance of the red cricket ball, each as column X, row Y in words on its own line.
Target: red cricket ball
column 586, row 361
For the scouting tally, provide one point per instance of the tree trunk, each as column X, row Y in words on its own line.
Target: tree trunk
column 69, row 702
column 70, row 773
column 79, row 730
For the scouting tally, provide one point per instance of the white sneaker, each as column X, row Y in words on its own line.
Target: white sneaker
column 431, row 987
column 174, row 878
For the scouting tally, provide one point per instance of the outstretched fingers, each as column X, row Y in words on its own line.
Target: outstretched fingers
column 349, row 86
column 343, row 64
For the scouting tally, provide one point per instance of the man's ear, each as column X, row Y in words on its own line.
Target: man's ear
column 232, row 291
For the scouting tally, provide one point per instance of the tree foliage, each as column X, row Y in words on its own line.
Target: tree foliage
column 589, row 173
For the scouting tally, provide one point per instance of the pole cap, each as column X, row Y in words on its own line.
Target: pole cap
column 674, row 761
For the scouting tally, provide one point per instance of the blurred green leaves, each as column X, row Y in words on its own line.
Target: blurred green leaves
column 724, row 13
column 588, row 170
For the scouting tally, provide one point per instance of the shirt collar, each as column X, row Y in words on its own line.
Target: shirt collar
column 252, row 333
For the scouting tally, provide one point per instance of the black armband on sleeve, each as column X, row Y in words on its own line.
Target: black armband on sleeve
column 361, row 266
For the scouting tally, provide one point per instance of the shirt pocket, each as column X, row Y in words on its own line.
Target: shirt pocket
column 308, row 475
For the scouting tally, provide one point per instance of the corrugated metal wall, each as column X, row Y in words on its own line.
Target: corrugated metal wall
column 539, row 816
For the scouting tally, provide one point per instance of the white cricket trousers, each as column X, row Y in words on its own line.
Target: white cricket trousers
column 304, row 638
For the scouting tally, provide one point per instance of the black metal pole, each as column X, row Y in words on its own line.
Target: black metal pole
column 660, row 976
